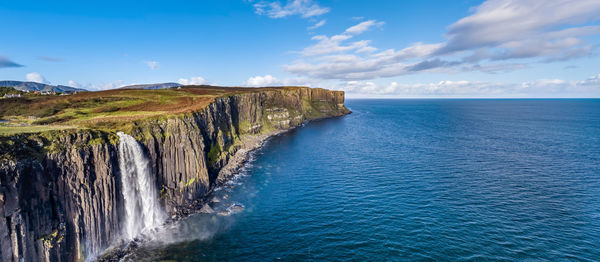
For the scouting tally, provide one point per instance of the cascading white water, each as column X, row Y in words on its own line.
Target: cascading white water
column 142, row 210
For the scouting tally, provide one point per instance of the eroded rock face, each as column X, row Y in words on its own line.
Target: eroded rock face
column 60, row 197
column 58, row 206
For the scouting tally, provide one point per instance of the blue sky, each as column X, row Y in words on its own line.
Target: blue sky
column 463, row 48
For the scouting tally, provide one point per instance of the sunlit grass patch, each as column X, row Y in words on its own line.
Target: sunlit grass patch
column 11, row 130
column 109, row 110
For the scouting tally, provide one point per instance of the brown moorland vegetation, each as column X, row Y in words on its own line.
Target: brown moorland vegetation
column 110, row 109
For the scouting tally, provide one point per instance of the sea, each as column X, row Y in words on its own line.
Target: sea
column 411, row 180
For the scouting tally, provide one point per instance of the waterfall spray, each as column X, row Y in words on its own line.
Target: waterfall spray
column 142, row 210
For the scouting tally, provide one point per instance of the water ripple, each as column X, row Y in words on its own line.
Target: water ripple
column 420, row 180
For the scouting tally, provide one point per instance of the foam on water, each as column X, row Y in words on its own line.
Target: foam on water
column 456, row 180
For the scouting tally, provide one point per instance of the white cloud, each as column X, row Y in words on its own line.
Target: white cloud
column 152, row 64
column 72, row 83
column 462, row 88
column 511, row 24
column 192, row 81
column 363, row 27
column 592, row 81
column 334, row 44
column 98, row 86
column 304, row 8
column 317, row 25
column 590, row 85
column 269, row 80
column 36, row 77
column 442, row 88
column 511, row 29
column 494, row 38
column 107, row 86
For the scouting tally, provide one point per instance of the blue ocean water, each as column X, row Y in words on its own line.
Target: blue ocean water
column 414, row 180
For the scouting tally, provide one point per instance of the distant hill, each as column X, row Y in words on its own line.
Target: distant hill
column 33, row 86
column 152, row 86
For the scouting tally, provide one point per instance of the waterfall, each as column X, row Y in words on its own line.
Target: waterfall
column 143, row 213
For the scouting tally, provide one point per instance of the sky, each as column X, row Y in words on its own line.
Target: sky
column 377, row 48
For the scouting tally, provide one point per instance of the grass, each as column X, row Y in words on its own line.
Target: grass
column 214, row 154
column 109, row 110
column 12, row 130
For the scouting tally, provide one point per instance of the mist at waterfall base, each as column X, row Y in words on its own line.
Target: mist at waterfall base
column 412, row 180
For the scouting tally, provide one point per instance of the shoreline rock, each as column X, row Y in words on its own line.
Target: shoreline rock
column 237, row 162
column 60, row 194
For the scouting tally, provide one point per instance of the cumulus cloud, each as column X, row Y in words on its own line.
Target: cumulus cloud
column 494, row 38
column 303, row 8
column 317, row 25
column 266, row 80
column 269, row 80
column 525, row 28
column 336, row 58
column 36, row 77
column 335, row 43
column 538, row 88
column 5, row 62
column 192, row 81
column 152, row 64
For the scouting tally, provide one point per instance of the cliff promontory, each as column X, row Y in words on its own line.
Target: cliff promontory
column 65, row 170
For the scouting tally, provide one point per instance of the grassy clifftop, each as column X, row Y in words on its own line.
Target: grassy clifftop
column 109, row 110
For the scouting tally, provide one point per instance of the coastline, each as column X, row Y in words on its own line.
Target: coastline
column 79, row 210
column 249, row 145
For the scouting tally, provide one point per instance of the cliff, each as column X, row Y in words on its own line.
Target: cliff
column 60, row 192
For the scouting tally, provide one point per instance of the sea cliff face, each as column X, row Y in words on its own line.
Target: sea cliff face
column 60, row 193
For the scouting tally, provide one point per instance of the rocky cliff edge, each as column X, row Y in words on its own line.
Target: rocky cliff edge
column 60, row 195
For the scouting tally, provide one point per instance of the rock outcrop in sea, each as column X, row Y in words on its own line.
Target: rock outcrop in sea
column 62, row 197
